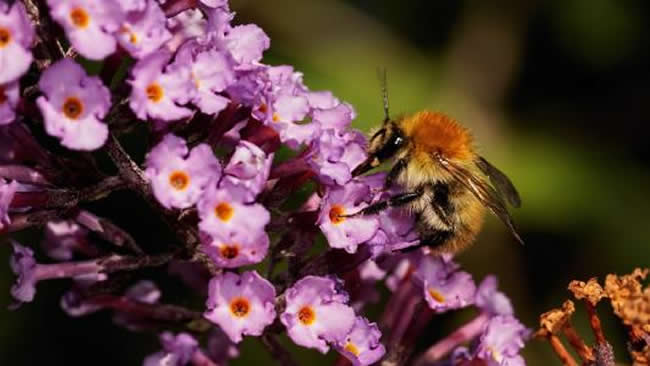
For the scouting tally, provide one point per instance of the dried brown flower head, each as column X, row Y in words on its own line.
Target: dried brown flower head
column 630, row 301
column 590, row 291
column 552, row 322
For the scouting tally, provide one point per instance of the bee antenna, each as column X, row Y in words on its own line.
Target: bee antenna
column 381, row 74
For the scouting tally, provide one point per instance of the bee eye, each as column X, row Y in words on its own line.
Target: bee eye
column 398, row 141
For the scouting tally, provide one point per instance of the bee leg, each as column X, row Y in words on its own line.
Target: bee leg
column 399, row 167
column 432, row 239
column 394, row 201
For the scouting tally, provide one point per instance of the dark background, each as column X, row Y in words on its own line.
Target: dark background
column 556, row 93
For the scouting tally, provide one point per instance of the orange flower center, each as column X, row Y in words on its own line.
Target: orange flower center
column 224, row 211
column 72, row 107
column 436, row 295
column 229, row 251
column 155, row 92
column 350, row 347
column 240, row 307
column 79, row 17
column 179, row 180
column 5, row 37
column 306, row 315
column 276, row 118
column 3, row 96
column 263, row 108
column 336, row 214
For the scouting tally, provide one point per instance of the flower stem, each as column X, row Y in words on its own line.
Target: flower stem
column 463, row 334
column 562, row 353
column 162, row 312
column 277, row 351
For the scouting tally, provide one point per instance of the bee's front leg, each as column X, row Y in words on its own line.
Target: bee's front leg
column 394, row 201
column 395, row 171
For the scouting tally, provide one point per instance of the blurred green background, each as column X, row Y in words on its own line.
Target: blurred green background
column 556, row 93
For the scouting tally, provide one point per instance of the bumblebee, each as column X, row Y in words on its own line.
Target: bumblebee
column 446, row 184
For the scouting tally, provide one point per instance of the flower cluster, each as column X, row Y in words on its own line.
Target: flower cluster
column 216, row 115
column 630, row 302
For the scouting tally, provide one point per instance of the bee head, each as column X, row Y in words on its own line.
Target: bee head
column 383, row 145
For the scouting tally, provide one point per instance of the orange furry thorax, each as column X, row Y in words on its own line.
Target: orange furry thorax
column 434, row 132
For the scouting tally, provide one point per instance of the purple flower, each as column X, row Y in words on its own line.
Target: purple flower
column 337, row 117
column 316, row 313
column 9, row 95
column 362, row 346
column 287, row 110
column 445, row 287
column 246, row 44
column 322, row 99
column 177, row 350
column 501, row 341
column 89, row 24
column 241, row 305
column 62, row 238
column 73, row 105
column 144, row 29
column 249, row 167
column 334, row 154
column 156, row 93
column 144, row 291
column 226, row 216
column 179, row 179
column 7, row 191
column 29, row 272
column 490, row 300
column 346, row 232
column 16, row 36
column 232, row 254
column 186, row 25
column 211, row 72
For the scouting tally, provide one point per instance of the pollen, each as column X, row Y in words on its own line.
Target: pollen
column 276, row 118
column 436, row 295
column 3, row 95
column 79, row 18
column 306, row 315
column 240, row 307
column 352, row 348
column 336, row 214
column 155, row 92
column 179, row 180
column 5, row 37
column 72, row 107
column 229, row 251
column 224, row 211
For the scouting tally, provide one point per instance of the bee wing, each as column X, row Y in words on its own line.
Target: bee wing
column 483, row 191
column 500, row 181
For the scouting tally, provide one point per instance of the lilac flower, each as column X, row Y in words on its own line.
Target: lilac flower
column 445, row 287
column 144, row 29
column 179, row 179
column 334, row 154
column 177, row 350
column 246, row 44
column 346, row 232
column 186, row 25
column 73, row 105
column 7, row 191
column 396, row 226
column 89, row 24
column 156, row 93
column 322, row 100
column 62, row 238
column 241, row 305
column 503, row 338
column 337, row 117
column 143, row 291
column 490, row 300
column 211, row 72
column 9, row 95
column 232, row 254
column 287, row 110
column 29, row 272
column 362, row 346
column 16, row 36
column 227, row 217
column 249, row 167
column 316, row 313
